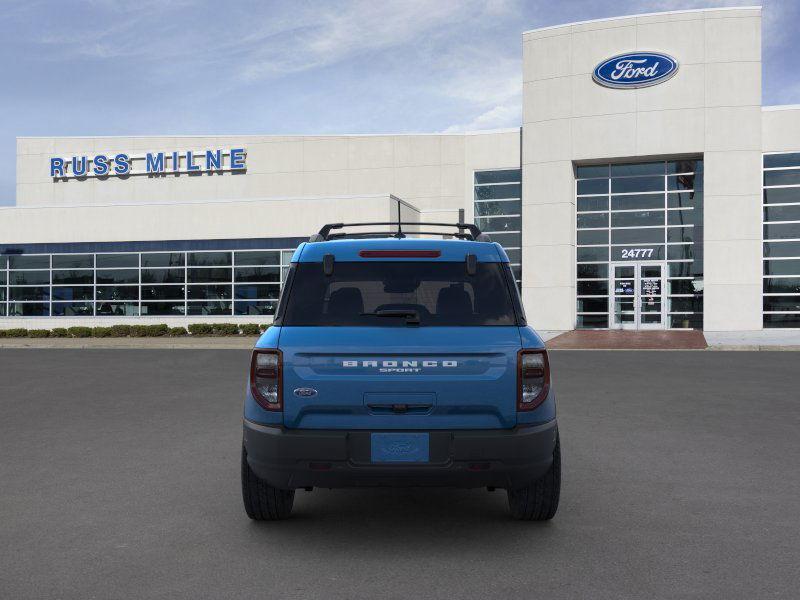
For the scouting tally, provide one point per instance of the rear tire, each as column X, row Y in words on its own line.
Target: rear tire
column 262, row 502
column 539, row 500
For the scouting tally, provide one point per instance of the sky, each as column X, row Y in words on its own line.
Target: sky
column 174, row 67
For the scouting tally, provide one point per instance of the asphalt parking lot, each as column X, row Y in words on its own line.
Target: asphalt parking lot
column 119, row 478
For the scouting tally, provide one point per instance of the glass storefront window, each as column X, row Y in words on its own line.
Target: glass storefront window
column 498, row 211
column 639, row 212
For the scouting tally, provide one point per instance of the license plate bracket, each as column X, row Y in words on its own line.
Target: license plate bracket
column 400, row 447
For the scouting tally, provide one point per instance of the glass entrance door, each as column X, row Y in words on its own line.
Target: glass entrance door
column 637, row 295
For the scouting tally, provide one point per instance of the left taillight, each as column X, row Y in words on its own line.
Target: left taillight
column 266, row 377
column 533, row 374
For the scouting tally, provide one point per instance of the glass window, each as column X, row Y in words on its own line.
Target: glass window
column 593, row 288
column 694, row 321
column 782, row 303
column 593, row 321
column 209, row 259
column 117, row 309
column 782, row 231
column 28, row 309
column 507, row 240
column 2, row 278
column 73, row 261
column 209, row 275
column 592, row 254
column 683, row 286
column 592, row 186
column 255, row 308
column 637, row 236
column 782, row 249
column 29, row 293
column 624, row 185
column 257, row 258
column 73, row 309
column 163, row 276
column 163, row 259
column 162, row 309
column 29, row 277
column 782, row 267
column 496, row 192
column 3, row 262
column 592, row 271
column 680, row 252
column 596, row 203
column 788, row 177
column 782, row 195
column 593, row 220
column 782, row 213
column 782, row 285
column 592, row 236
column 23, row 261
column 499, row 176
column 113, row 261
column 209, row 308
column 684, row 217
column 637, row 218
column 62, row 277
column 681, row 269
column 208, row 292
column 117, row 292
column 593, row 305
column 248, row 292
column 589, row 171
column 790, row 159
column 637, row 202
column 650, row 168
column 493, row 224
column 693, row 304
column 685, row 200
column 684, row 166
column 498, row 207
column 83, row 292
column 680, row 234
column 684, row 182
column 257, row 274
column 117, row 275
column 514, row 256
column 782, row 320
column 162, row 292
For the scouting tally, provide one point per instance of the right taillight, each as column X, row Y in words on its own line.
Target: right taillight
column 265, row 378
column 533, row 378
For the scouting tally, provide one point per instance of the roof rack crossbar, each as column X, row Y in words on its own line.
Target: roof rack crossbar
column 465, row 230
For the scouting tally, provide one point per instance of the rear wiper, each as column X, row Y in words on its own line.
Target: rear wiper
column 412, row 316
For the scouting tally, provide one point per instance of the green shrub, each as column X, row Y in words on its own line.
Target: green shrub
column 2, row 333
column 157, row 330
column 38, row 333
column 201, row 329
column 80, row 332
column 138, row 330
column 16, row 332
column 101, row 332
column 225, row 329
column 59, row 332
column 250, row 329
column 177, row 331
column 120, row 330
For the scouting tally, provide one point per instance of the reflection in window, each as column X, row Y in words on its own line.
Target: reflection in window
column 498, row 206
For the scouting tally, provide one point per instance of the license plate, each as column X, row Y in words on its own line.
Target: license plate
column 400, row 447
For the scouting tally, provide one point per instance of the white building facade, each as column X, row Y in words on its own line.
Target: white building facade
column 663, row 197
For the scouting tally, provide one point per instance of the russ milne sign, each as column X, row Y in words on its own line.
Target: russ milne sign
column 151, row 163
column 635, row 70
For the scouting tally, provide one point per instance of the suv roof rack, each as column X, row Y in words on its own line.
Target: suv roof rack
column 464, row 231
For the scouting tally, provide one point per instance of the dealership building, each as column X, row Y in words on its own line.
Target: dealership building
column 646, row 188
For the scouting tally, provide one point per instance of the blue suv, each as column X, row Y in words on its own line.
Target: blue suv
column 400, row 361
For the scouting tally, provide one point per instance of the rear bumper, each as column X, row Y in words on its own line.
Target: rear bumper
column 297, row 458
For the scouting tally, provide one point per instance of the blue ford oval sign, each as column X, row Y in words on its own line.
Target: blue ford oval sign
column 635, row 70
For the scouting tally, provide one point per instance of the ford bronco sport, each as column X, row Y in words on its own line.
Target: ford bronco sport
column 400, row 361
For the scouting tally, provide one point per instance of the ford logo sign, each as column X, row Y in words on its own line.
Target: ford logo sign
column 635, row 70
column 305, row 392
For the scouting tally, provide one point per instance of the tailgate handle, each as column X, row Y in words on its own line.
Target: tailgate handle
column 400, row 409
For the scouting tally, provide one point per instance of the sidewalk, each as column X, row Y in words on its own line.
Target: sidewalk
column 187, row 343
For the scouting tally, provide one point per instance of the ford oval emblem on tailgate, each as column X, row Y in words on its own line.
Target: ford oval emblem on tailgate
column 305, row 392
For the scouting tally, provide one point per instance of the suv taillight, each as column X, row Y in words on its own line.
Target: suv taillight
column 533, row 378
column 266, row 378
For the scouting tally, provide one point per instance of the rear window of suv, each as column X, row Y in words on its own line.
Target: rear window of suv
column 399, row 294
